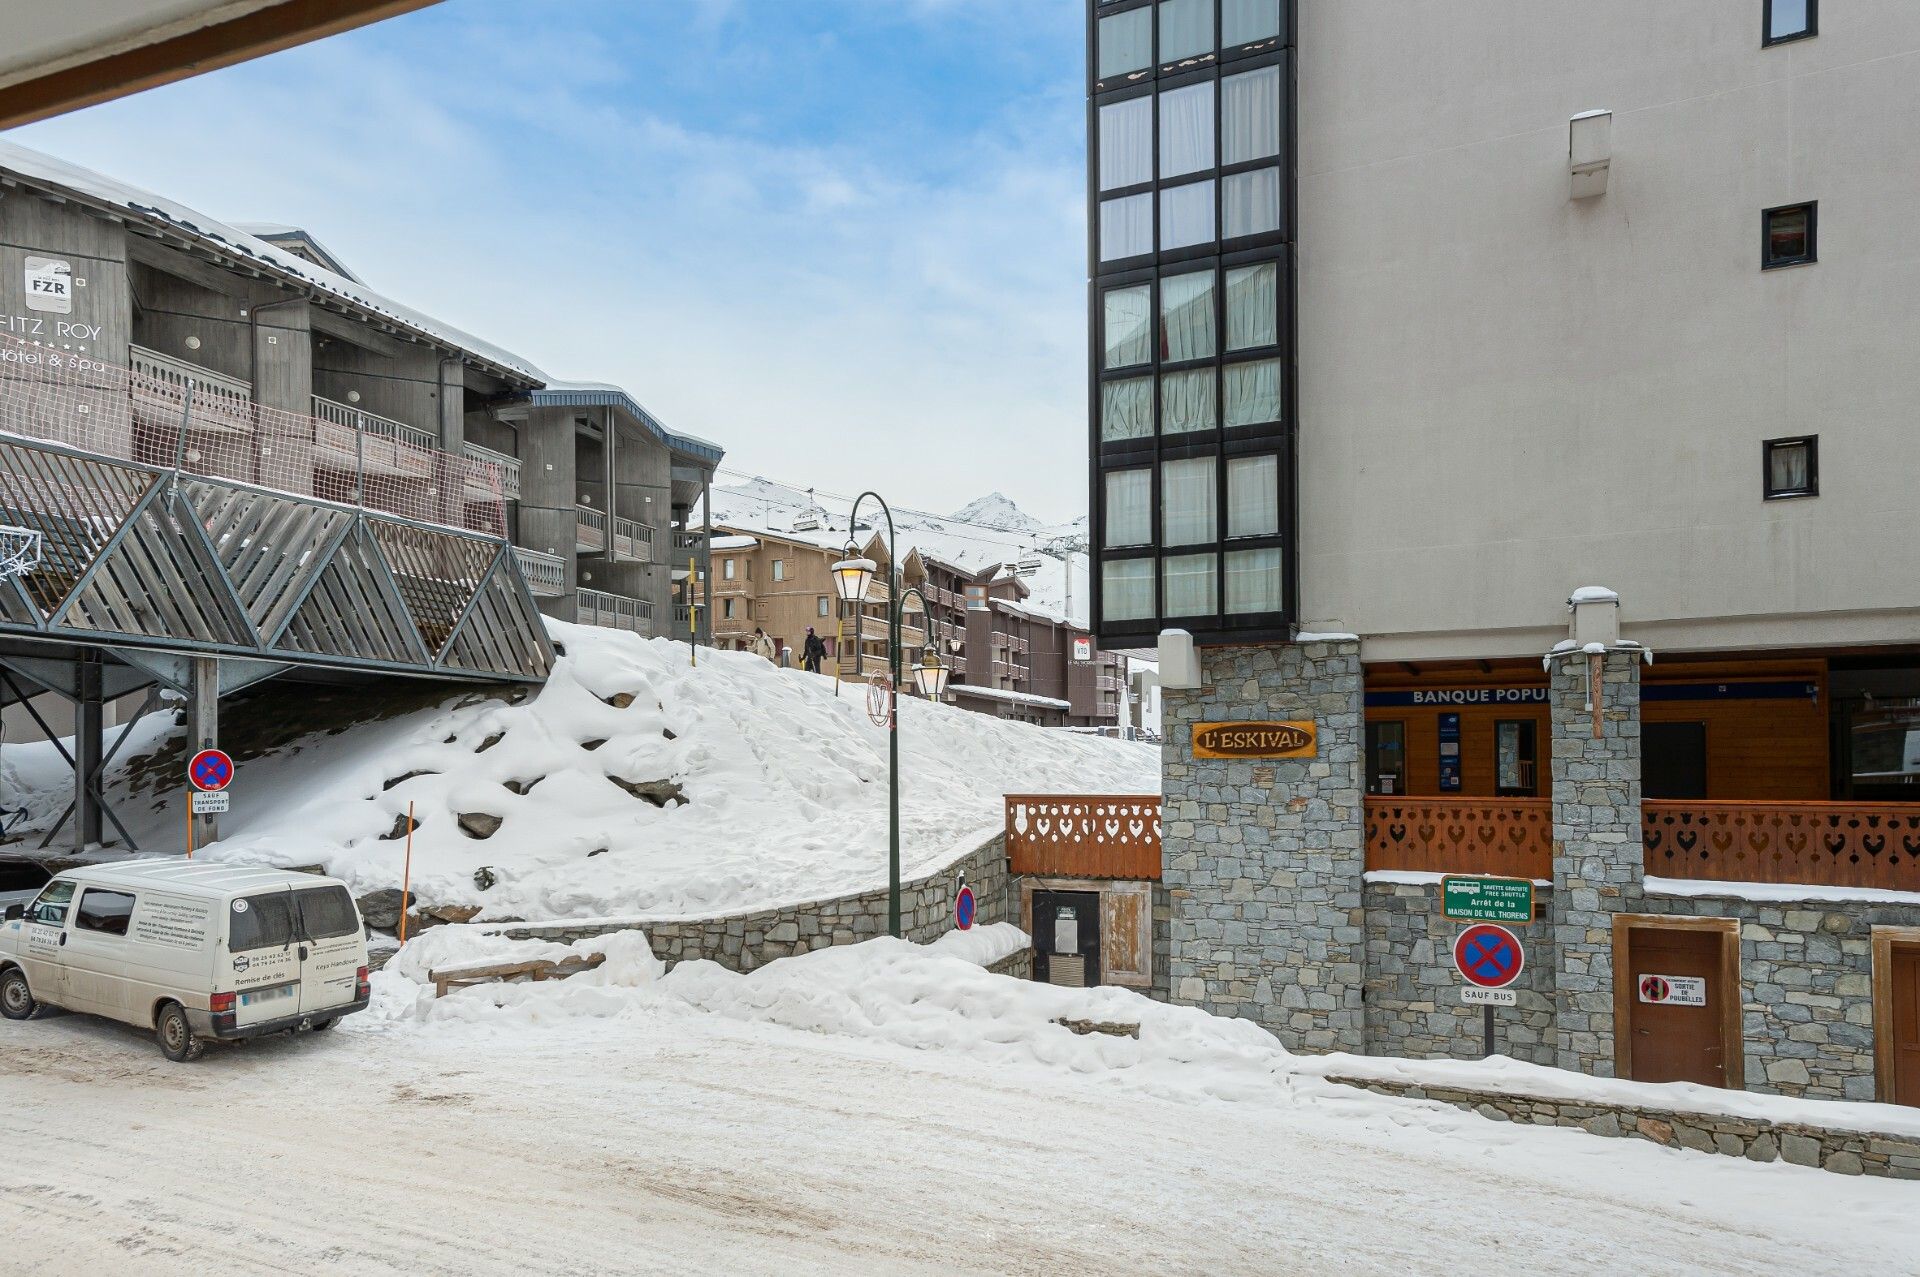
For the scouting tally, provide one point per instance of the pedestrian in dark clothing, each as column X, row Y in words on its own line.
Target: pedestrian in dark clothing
column 814, row 652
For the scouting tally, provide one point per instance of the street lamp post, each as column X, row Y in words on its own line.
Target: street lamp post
column 852, row 578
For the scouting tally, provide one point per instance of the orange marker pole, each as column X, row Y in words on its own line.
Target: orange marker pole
column 189, row 822
column 406, row 876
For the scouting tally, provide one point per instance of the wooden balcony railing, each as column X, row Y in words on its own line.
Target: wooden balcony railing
column 1509, row 837
column 1080, row 836
column 1873, row 845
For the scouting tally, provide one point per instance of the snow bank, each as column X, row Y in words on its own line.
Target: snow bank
column 403, row 991
column 781, row 788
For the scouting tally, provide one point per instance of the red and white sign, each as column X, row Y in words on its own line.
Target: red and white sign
column 1083, row 648
column 210, row 770
column 1673, row 990
column 1489, row 956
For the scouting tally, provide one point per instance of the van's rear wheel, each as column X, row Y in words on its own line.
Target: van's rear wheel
column 177, row 1040
column 328, row 1023
column 16, row 999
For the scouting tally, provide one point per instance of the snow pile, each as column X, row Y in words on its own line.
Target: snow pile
column 403, row 990
column 634, row 786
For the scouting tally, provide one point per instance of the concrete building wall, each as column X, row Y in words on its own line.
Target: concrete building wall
column 1506, row 393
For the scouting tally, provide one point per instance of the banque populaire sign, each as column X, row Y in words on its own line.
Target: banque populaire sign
column 1254, row 740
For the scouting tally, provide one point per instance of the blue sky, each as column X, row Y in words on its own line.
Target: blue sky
column 843, row 238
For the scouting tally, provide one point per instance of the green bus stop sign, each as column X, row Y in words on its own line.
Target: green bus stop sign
column 1487, row 899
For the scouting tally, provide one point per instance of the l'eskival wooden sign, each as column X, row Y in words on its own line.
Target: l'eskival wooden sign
column 1255, row 740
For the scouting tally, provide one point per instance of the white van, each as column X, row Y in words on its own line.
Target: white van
column 193, row 951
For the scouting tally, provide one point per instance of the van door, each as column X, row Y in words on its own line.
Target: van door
column 263, row 957
column 43, row 957
column 96, row 953
column 332, row 947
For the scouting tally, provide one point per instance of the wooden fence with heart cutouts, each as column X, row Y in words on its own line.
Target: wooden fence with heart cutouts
column 1081, row 836
column 1506, row 837
column 1827, row 844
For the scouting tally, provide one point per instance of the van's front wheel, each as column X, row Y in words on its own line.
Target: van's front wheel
column 177, row 1040
column 16, row 999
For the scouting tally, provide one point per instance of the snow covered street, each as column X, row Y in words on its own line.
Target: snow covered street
column 672, row 1126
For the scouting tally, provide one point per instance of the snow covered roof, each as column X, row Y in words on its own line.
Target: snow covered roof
column 1035, row 613
column 734, row 543
column 1003, row 694
column 598, row 394
column 301, row 243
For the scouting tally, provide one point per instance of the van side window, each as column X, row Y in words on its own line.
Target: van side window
column 327, row 913
column 265, row 921
column 51, row 908
column 106, row 912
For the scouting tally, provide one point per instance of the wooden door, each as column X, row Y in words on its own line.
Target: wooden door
column 1674, row 1040
column 1905, row 1088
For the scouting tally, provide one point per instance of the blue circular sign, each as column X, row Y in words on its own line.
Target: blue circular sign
column 210, row 770
column 1489, row 956
column 963, row 909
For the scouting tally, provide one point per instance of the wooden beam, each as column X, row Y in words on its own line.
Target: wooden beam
column 270, row 30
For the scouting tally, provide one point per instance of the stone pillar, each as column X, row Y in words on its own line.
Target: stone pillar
column 1264, row 858
column 1598, row 868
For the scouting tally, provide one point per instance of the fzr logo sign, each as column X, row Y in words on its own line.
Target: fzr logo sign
column 50, row 285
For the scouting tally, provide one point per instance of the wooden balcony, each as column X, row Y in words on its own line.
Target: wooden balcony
column 1508, row 837
column 1873, row 845
column 1084, row 836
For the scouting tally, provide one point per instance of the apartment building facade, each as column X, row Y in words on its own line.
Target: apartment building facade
column 1597, row 570
column 782, row 585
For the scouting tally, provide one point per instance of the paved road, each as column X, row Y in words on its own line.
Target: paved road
column 666, row 1140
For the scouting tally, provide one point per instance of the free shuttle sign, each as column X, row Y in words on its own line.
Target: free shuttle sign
column 1255, row 740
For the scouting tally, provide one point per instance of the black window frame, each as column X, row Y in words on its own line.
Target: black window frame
column 1529, row 757
column 1767, row 260
column 125, row 920
column 1767, row 448
column 1768, row 38
column 1375, row 730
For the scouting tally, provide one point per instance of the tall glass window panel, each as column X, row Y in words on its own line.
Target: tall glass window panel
column 1126, row 227
column 1253, row 393
column 1253, row 497
column 1250, row 203
column 1186, row 130
column 1186, row 215
column 1126, row 588
column 1188, row 402
column 1126, row 143
column 1187, row 515
column 1126, row 43
column 1126, row 409
column 1245, row 21
column 1186, row 317
column 1128, row 333
column 1129, row 507
column 1250, row 116
column 1254, row 582
column 1190, row 587
column 1186, row 29
column 1253, row 306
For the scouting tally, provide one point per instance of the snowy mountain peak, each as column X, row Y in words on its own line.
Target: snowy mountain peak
column 996, row 510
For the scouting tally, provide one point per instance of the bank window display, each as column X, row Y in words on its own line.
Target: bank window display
column 1126, row 409
column 1188, row 515
column 1186, row 317
column 1253, row 496
column 1253, row 306
column 1250, row 203
column 1126, row 143
column 1189, row 585
column 1128, row 334
column 1254, row 582
column 1129, row 508
column 1126, row 589
column 1186, row 215
column 1250, row 116
column 1186, row 29
column 1792, row 467
column 1188, row 402
column 1186, row 130
column 1126, row 227
column 1254, row 393
column 1387, row 758
column 1125, row 43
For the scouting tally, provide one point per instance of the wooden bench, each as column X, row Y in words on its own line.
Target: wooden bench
column 445, row 978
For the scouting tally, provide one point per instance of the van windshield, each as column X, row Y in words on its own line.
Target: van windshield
column 265, row 921
column 326, row 913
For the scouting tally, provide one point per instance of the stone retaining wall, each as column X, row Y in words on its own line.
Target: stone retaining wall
column 1756, row 1139
column 742, row 942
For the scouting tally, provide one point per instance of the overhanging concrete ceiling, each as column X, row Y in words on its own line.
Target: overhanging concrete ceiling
column 60, row 55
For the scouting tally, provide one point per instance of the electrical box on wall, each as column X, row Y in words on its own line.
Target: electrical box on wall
column 1596, row 616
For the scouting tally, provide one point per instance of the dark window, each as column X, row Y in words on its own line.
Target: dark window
column 1790, row 20
column 264, row 921
column 1788, row 236
column 1387, row 758
column 1674, row 760
column 50, row 908
column 104, row 911
column 326, row 913
column 1515, row 758
column 1792, row 467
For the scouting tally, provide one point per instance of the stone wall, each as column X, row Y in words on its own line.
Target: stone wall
column 1845, row 1152
column 741, row 942
column 1413, row 991
column 1263, row 859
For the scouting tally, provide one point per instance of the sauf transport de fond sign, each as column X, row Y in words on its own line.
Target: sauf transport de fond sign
column 1254, row 740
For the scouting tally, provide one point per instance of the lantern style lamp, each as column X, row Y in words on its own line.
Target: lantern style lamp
column 852, row 575
column 930, row 676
